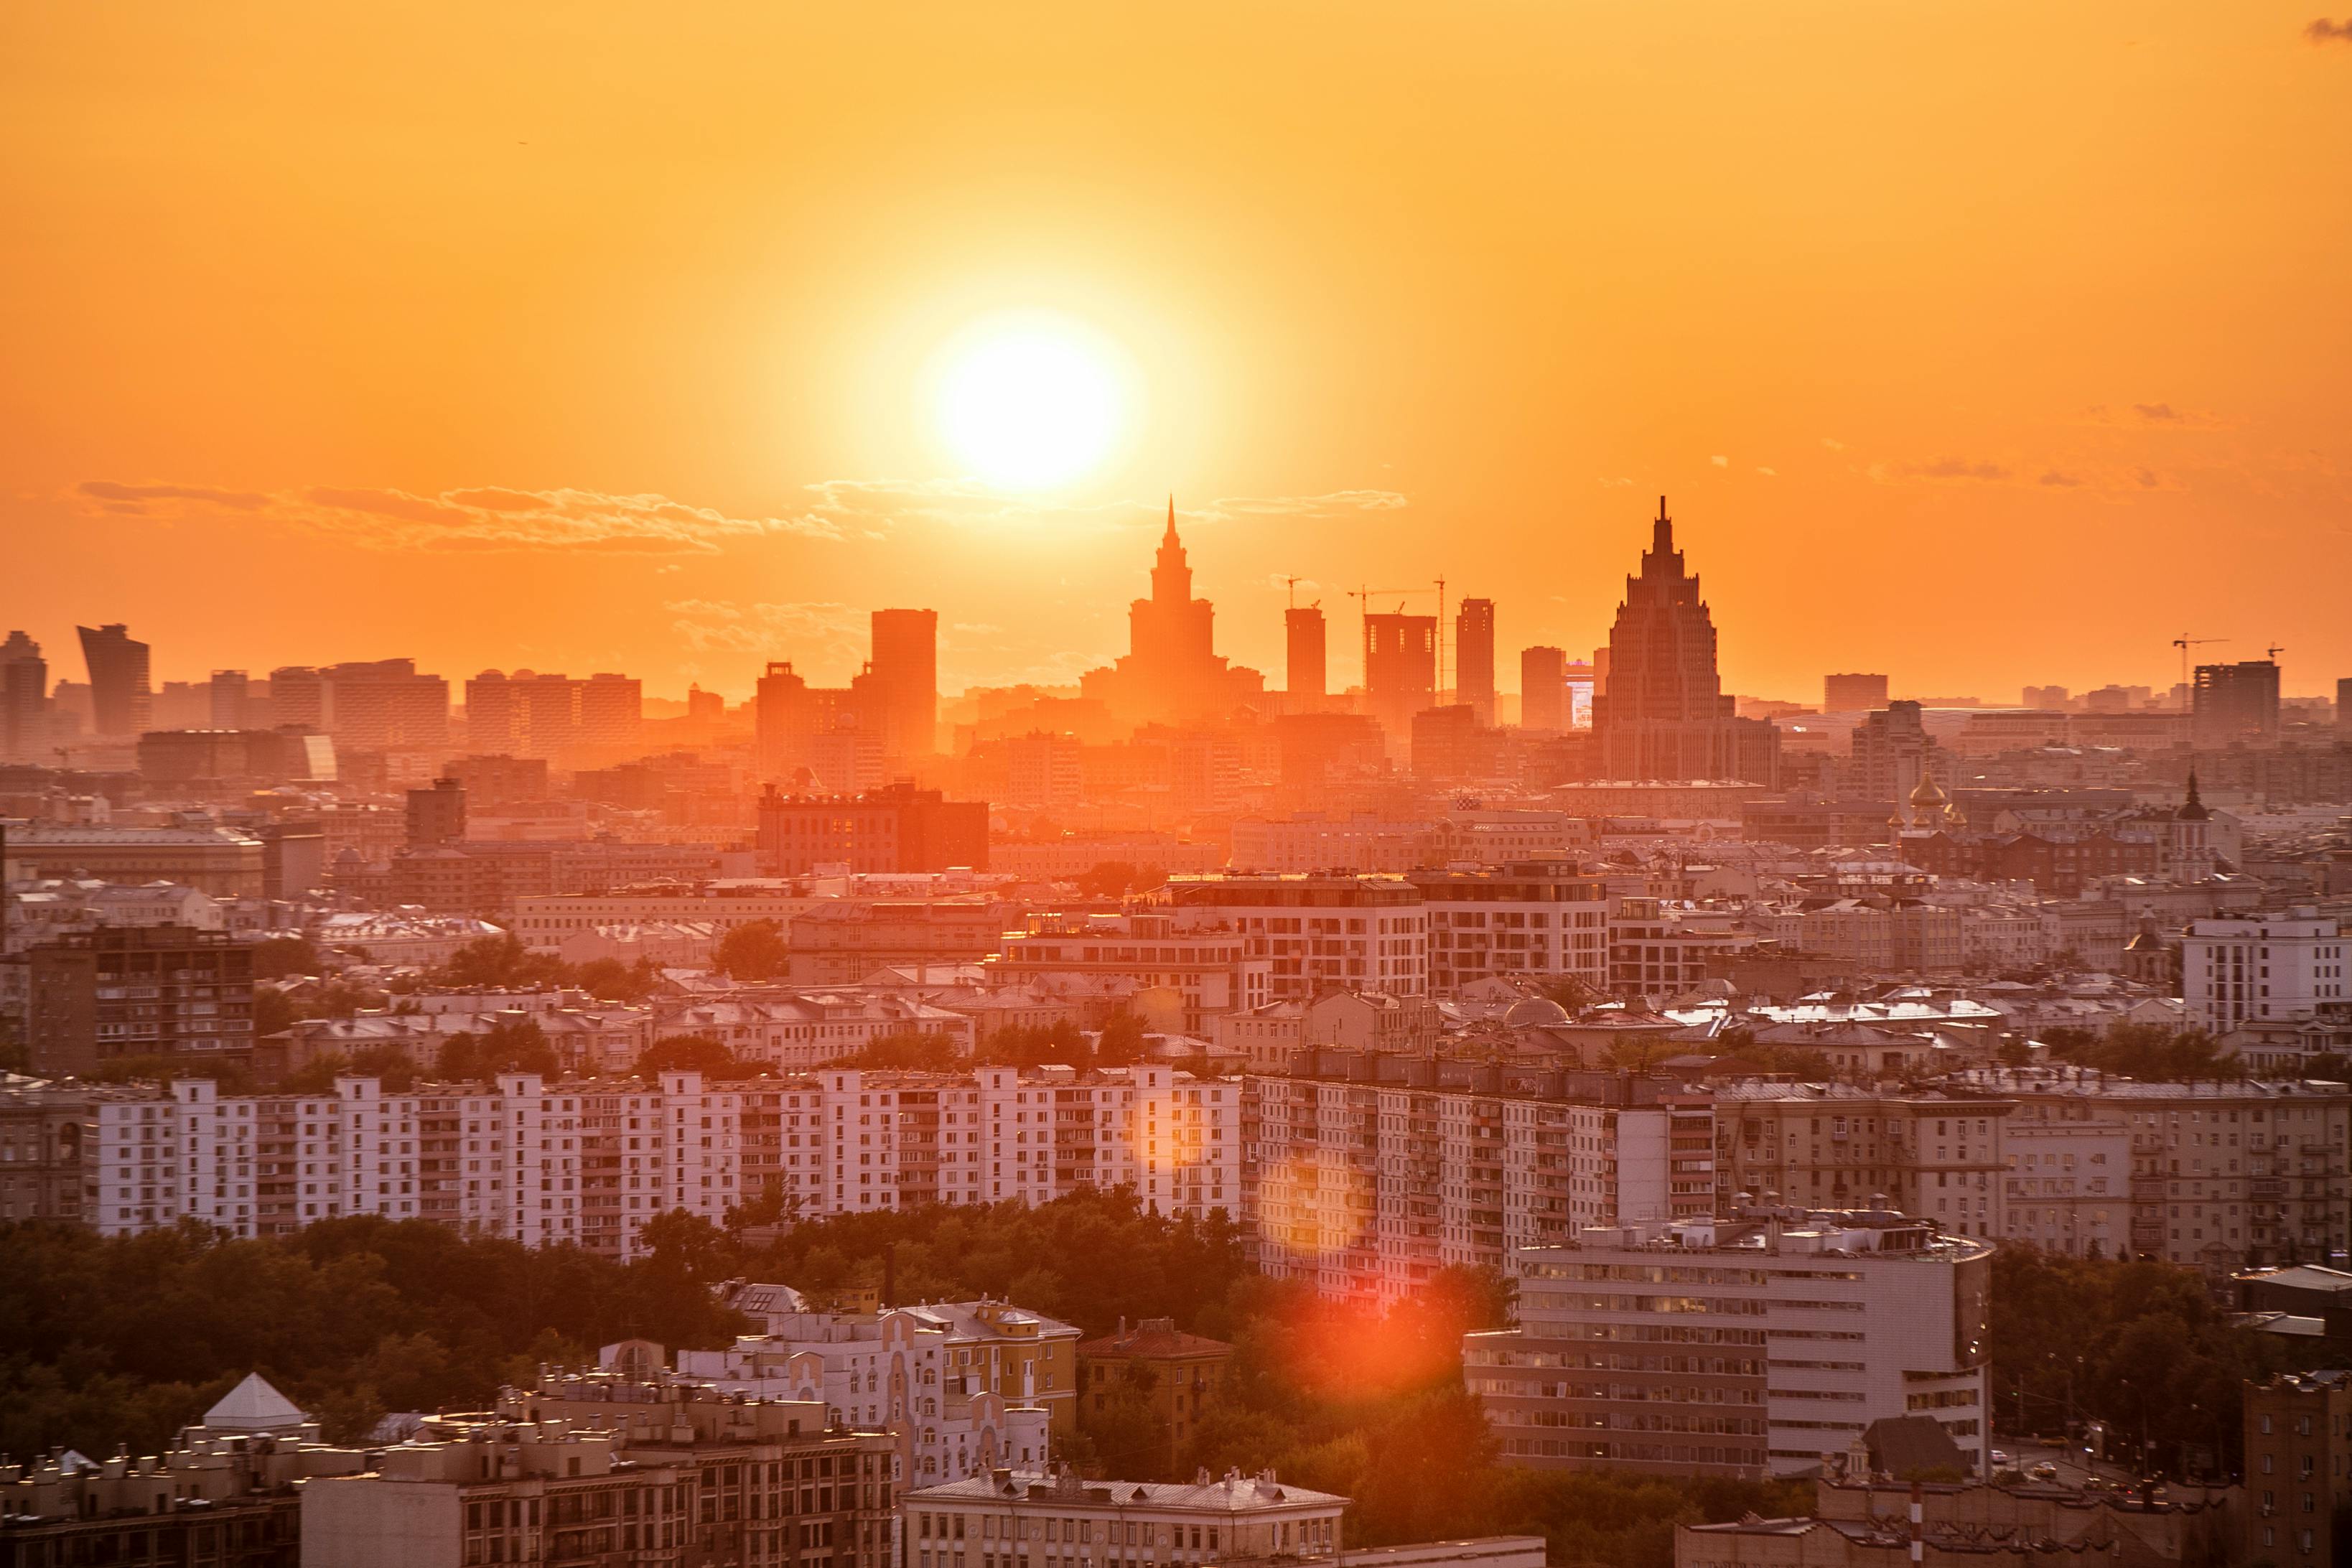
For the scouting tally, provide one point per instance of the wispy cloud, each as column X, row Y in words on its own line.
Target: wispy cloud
column 1964, row 469
column 484, row 518
column 1720, row 461
column 2324, row 31
column 830, row 632
column 1335, row 503
column 2058, row 480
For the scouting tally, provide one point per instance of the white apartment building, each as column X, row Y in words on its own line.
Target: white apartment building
column 1737, row 1347
column 1204, row 963
column 1372, row 1173
column 2262, row 968
column 965, row 1386
column 1322, row 932
column 1033, row 1519
column 589, row 1161
column 1312, row 843
column 1537, row 918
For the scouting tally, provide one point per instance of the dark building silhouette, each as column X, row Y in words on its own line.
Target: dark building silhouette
column 23, row 700
column 1473, row 656
column 904, row 671
column 100, row 995
column 2234, row 702
column 1399, row 669
column 1852, row 693
column 900, row 828
column 1172, row 671
column 1664, row 714
column 119, row 697
column 1307, row 670
column 1543, row 688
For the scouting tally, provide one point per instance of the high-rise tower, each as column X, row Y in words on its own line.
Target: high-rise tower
column 1171, row 671
column 120, row 697
column 1664, row 714
column 905, row 671
column 1473, row 656
column 1308, row 669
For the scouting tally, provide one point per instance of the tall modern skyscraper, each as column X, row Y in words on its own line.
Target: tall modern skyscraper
column 2234, row 702
column 1172, row 671
column 120, row 696
column 1664, row 714
column 1399, row 669
column 1307, row 669
column 905, row 677
column 1474, row 657
column 1543, row 687
column 23, row 700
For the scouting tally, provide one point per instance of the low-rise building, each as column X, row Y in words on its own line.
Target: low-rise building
column 1039, row 1517
column 1179, row 1376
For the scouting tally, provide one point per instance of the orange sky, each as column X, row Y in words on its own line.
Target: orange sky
column 1974, row 342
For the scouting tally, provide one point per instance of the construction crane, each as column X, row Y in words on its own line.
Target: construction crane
column 2273, row 653
column 2184, row 642
column 1364, row 597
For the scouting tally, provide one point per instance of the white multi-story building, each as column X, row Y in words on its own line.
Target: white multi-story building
column 1737, row 1347
column 2068, row 1188
column 800, row 1030
column 1369, row 1174
column 2260, row 969
column 590, row 1160
column 1538, row 919
column 1322, row 932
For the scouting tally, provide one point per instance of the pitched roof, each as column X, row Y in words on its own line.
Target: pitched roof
column 254, row 1405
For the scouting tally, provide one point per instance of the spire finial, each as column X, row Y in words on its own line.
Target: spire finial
column 1662, row 531
column 1171, row 515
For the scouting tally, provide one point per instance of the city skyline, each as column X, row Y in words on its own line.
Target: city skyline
column 1486, row 326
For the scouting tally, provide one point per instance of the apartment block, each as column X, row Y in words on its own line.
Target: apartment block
column 1368, row 1174
column 588, row 1469
column 1322, row 932
column 1537, row 918
column 2262, row 969
column 1737, row 1347
column 2224, row 1176
column 121, row 992
column 2298, row 1447
column 1936, row 1153
column 1206, row 966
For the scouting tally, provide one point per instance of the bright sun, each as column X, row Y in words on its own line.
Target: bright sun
column 1030, row 398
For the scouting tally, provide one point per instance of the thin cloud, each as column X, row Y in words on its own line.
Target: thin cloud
column 1960, row 468
column 822, row 633
column 480, row 519
column 2058, row 480
column 1833, row 444
column 1328, row 505
column 138, row 498
column 2157, row 413
column 1720, row 462
column 2324, row 31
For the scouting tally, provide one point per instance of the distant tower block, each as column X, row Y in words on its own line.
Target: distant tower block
column 1307, row 671
column 1474, row 657
column 1852, row 693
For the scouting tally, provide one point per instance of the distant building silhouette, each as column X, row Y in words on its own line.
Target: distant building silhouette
column 121, row 699
column 904, row 673
column 1172, row 671
column 1473, row 656
column 1664, row 714
column 23, row 700
column 1543, row 688
column 1307, row 670
column 1852, row 693
column 1399, row 669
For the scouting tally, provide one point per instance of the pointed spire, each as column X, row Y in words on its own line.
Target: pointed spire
column 1169, row 537
column 1662, row 531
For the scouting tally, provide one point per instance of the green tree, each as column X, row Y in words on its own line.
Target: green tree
column 692, row 1053
column 754, row 950
column 275, row 957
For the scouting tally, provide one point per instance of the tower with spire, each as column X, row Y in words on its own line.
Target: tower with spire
column 1664, row 714
column 1171, row 672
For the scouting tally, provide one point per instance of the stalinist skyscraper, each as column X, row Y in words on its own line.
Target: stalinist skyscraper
column 1172, row 671
column 1664, row 715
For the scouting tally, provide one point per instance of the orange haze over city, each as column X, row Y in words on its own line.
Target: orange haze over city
column 1978, row 343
